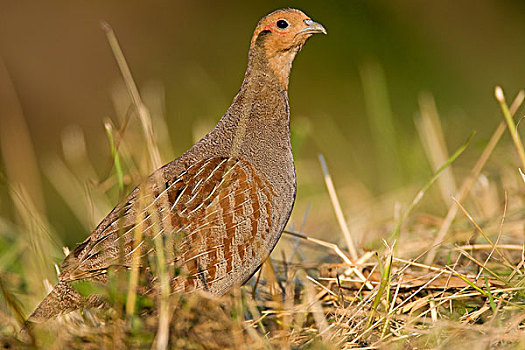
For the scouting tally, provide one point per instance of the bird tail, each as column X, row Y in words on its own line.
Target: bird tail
column 62, row 299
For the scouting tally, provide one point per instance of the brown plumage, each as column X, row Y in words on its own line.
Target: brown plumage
column 224, row 203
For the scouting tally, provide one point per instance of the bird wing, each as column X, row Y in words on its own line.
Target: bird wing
column 217, row 214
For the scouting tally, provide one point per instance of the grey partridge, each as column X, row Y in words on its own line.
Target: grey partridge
column 224, row 203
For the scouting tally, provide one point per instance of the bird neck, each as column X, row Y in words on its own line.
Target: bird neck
column 257, row 122
column 258, row 115
column 256, row 126
column 265, row 59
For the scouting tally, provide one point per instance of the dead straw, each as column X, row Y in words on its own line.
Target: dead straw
column 141, row 108
column 337, row 208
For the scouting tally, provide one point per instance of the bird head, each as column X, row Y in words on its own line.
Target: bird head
column 279, row 36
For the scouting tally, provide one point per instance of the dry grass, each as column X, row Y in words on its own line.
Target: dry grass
column 453, row 281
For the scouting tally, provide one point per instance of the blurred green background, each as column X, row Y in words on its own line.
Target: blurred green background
column 354, row 93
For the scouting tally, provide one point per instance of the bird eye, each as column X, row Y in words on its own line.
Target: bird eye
column 282, row 23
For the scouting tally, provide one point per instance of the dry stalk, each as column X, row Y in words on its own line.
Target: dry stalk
column 495, row 245
column 337, row 209
column 431, row 135
column 337, row 250
column 135, row 256
column 141, row 108
column 471, row 219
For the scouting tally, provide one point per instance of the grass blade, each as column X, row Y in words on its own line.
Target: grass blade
column 116, row 158
column 511, row 125
column 385, row 282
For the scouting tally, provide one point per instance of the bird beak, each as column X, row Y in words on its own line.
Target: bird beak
column 312, row 28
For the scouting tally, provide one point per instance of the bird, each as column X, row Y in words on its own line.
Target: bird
column 223, row 204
